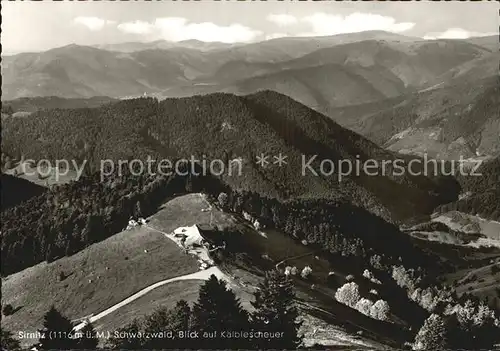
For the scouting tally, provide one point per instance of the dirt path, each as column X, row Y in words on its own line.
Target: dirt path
column 201, row 275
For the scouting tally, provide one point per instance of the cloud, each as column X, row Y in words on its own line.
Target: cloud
column 276, row 35
column 136, row 27
column 282, row 20
column 93, row 23
column 178, row 29
column 327, row 24
column 455, row 33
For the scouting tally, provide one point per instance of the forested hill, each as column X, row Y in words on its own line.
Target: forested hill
column 481, row 192
column 227, row 127
column 16, row 190
column 32, row 104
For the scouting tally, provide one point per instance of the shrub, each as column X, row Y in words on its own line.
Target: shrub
column 364, row 306
column 223, row 200
column 7, row 310
column 376, row 262
column 306, row 272
column 348, row 294
column 369, row 275
column 257, row 225
column 380, row 310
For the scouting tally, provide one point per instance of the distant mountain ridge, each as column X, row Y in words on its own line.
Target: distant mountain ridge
column 167, row 69
column 449, row 122
column 32, row 104
column 393, row 89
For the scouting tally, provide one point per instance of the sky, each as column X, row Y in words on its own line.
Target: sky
column 38, row 26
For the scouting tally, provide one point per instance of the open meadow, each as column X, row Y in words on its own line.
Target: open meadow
column 104, row 273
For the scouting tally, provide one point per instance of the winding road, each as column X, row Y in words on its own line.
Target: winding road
column 201, row 275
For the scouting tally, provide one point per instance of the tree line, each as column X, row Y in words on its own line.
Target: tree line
column 454, row 322
column 481, row 193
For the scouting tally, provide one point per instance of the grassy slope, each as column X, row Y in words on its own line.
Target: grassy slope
column 54, row 178
column 165, row 296
column 480, row 282
column 35, row 289
column 490, row 229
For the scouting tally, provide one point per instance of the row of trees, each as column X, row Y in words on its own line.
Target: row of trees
column 216, row 315
column 349, row 295
column 334, row 226
column 464, row 328
column 211, row 322
column 454, row 323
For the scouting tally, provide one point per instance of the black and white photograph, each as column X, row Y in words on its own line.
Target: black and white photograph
column 250, row 175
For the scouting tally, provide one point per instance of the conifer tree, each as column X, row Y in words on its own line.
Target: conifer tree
column 432, row 334
column 275, row 312
column 88, row 339
column 8, row 341
column 127, row 338
column 57, row 331
column 180, row 321
column 156, row 323
column 218, row 310
column 180, row 316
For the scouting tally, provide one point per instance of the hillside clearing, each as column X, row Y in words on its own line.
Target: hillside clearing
column 459, row 220
column 104, row 273
column 54, row 176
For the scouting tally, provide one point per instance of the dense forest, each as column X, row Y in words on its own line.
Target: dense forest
column 32, row 104
column 482, row 193
column 227, row 127
column 489, row 177
column 16, row 190
column 460, row 112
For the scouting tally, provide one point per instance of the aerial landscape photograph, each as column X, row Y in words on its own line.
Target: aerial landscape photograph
column 250, row 175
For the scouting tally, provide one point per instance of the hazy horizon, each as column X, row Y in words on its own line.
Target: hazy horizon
column 41, row 26
column 236, row 44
